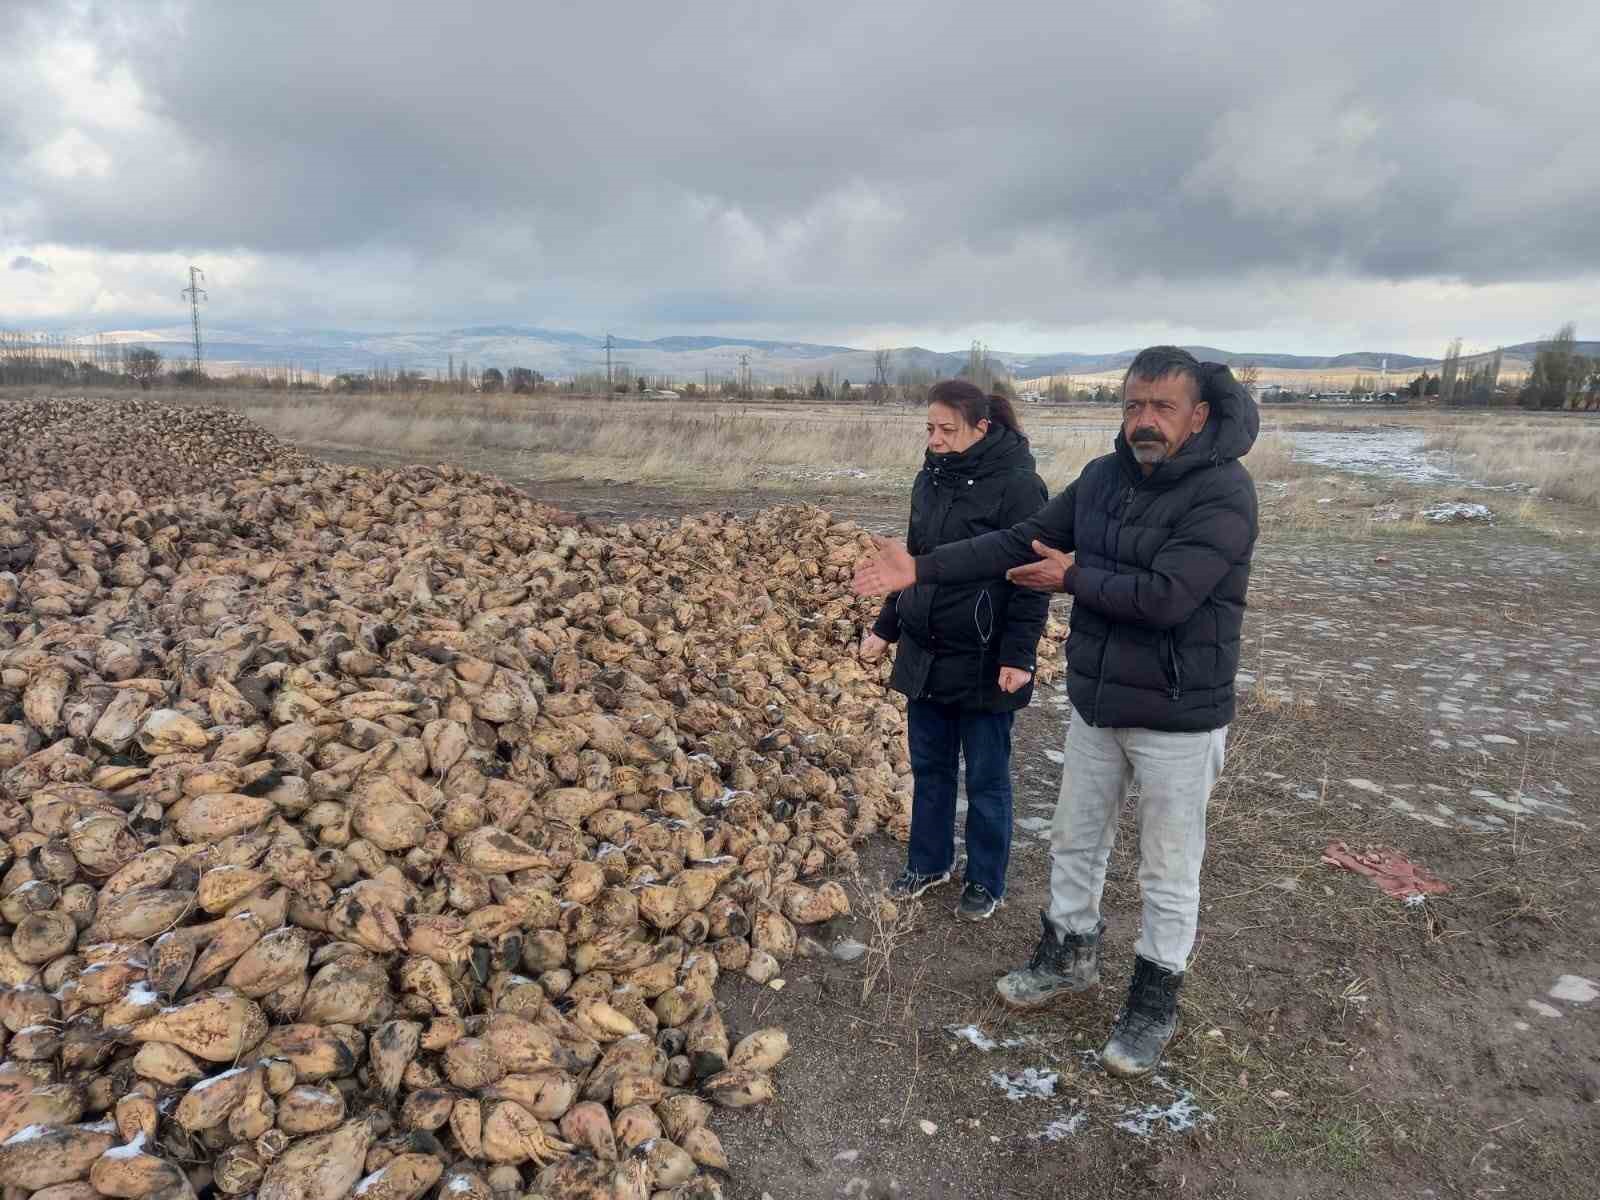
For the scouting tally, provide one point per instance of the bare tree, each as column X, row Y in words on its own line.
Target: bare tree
column 144, row 364
column 878, row 390
column 1250, row 375
column 978, row 371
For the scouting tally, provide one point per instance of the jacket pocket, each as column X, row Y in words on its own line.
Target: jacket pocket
column 983, row 617
column 1172, row 665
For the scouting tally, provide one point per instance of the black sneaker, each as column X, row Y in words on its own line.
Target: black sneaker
column 1146, row 1023
column 910, row 885
column 1059, row 966
column 976, row 903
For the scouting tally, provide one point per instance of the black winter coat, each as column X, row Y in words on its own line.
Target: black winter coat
column 1162, row 565
column 954, row 638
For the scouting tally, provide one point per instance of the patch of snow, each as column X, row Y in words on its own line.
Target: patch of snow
column 981, row 1040
column 1060, row 1130
column 140, row 993
column 216, row 1079
column 1028, row 1084
column 1182, row 1115
column 1389, row 453
column 27, row 1134
column 1575, row 989
column 976, row 1036
column 1543, row 1009
column 1455, row 511
column 132, row 1150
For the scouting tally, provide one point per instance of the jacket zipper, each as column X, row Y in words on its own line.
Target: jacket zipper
column 1105, row 646
column 1177, row 667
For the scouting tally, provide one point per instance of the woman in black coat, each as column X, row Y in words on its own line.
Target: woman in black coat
column 965, row 656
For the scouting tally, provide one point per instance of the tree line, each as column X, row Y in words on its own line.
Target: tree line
column 1560, row 378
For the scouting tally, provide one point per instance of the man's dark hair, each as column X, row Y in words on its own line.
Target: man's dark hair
column 1158, row 362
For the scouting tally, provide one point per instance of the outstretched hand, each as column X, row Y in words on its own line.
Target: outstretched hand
column 892, row 569
column 1048, row 574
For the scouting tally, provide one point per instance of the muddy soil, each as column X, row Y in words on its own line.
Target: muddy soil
column 1433, row 692
column 1336, row 1042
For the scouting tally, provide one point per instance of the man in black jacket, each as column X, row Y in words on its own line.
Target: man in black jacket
column 1153, row 542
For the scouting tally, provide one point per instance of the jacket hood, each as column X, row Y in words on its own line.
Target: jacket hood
column 1000, row 449
column 1235, row 420
column 1229, row 432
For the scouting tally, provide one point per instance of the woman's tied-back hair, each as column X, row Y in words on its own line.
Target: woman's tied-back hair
column 970, row 401
column 1158, row 362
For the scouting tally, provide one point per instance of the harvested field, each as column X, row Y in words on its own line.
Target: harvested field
column 1426, row 686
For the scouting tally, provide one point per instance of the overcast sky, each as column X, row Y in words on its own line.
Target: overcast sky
column 1258, row 175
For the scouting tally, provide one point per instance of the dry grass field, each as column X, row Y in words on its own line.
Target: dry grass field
column 1554, row 455
column 748, row 454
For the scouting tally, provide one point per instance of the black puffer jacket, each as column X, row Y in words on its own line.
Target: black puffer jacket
column 1162, row 564
column 954, row 638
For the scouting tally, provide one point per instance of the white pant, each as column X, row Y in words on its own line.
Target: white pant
column 1175, row 772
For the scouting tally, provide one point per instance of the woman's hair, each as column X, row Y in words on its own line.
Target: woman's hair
column 968, row 400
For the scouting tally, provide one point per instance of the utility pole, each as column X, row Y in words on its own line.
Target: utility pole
column 744, row 371
column 195, row 293
column 610, row 387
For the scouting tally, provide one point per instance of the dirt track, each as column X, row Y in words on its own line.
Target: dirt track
column 1434, row 692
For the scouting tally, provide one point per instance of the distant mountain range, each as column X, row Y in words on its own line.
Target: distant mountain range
column 560, row 353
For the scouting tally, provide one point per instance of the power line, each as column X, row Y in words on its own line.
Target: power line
column 195, row 293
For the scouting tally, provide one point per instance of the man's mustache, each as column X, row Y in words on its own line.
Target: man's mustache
column 1147, row 434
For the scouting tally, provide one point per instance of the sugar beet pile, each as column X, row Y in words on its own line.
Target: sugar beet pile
column 385, row 832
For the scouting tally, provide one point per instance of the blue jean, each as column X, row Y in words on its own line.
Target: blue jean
column 940, row 736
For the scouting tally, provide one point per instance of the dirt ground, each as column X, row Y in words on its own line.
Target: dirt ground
column 1433, row 692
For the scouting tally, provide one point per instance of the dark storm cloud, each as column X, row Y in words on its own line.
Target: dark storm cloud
column 23, row 263
column 819, row 164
